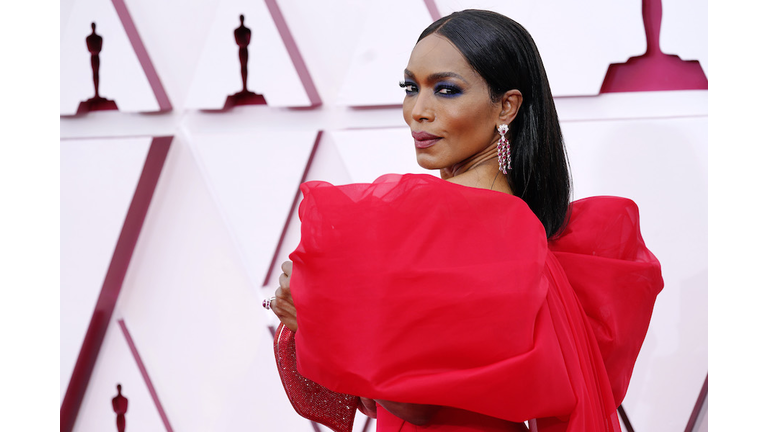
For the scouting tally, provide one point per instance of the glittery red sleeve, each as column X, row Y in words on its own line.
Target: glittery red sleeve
column 413, row 289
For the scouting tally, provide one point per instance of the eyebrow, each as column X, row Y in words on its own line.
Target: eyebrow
column 437, row 76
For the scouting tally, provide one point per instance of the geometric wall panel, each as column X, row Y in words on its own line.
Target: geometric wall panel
column 633, row 105
column 699, row 420
column 192, row 311
column 390, row 32
column 661, row 165
column 255, row 177
column 116, row 365
column 126, row 75
column 370, row 153
column 113, row 280
column 98, row 181
column 684, row 30
column 275, row 67
column 598, row 34
column 577, row 40
column 258, row 402
column 326, row 165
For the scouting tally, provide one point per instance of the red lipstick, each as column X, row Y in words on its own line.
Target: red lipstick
column 424, row 140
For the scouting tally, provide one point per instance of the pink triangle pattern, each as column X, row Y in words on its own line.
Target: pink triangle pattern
column 294, row 206
column 113, row 282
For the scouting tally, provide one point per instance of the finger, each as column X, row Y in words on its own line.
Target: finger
column 283, row 303
column 284, row 281
column 287, row 268
column 290, row 323
column 286, row 316
column 284, row 307
column 284, row 293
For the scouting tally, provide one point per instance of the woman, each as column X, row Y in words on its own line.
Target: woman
column 468, row 303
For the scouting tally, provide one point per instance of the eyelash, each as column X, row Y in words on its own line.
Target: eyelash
column 405, row 85
column 450, row 89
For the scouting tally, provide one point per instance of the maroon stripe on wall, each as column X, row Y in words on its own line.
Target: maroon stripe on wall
column 145, row 375
column 434, row 12
column 142, row 55
column 366, row 424
column 293, row 51
column 625, row 419
column 293, row 208
column 697, row 407
column 113, row 282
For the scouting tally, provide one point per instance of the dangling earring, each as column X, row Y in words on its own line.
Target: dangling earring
column 502, row 149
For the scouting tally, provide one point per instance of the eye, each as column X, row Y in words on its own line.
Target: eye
column 447, row 89
column 409, row 86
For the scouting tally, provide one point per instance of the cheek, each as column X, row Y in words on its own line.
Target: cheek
column 462, row 123
column 471, row 127
column 407, row 109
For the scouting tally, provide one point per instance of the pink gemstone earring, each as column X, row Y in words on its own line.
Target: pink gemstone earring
column 502, row 149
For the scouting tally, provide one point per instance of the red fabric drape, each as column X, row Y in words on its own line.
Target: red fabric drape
column 418, row 290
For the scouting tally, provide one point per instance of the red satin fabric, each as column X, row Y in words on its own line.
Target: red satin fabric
column 414, row 289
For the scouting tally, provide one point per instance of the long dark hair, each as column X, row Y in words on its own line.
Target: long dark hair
column 504, row 54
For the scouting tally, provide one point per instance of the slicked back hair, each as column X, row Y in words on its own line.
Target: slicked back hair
column 505, row 55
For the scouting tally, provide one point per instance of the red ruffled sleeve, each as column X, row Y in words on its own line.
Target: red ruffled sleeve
column 615, row 277
column 413, row 289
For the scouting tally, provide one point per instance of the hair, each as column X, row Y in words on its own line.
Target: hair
column 502, row 52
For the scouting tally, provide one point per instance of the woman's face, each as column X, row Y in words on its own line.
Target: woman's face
column 447, row 105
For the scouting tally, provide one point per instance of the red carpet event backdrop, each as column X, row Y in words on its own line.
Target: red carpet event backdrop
column 188, row 125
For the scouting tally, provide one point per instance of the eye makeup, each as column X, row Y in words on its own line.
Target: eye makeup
column 447, row 89
column 443, row 88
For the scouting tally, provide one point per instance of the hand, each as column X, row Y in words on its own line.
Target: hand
column 282, row 305
column 367, row 407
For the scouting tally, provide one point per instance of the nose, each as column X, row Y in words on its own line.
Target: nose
column 422, row 109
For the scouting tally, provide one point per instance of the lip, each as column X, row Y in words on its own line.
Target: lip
column 424, row 140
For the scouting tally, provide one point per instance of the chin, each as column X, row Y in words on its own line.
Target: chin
column 427, row 162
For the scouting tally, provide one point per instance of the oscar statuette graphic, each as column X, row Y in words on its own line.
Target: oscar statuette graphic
column 244, row 96
column 94, row 43
column 120, row 406
column 654, row 70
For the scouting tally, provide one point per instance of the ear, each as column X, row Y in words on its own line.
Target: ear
column 510, row 105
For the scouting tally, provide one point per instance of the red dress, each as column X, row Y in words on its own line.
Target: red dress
column 413, row 289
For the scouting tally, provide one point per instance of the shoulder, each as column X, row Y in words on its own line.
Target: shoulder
column 605, row 203
column 605, row 226
column 419, row 200
column 421, row 190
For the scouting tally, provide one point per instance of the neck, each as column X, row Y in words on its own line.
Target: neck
column 487, row 157
column 480, row 171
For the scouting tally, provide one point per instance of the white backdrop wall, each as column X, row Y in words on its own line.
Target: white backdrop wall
column 204, row 259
